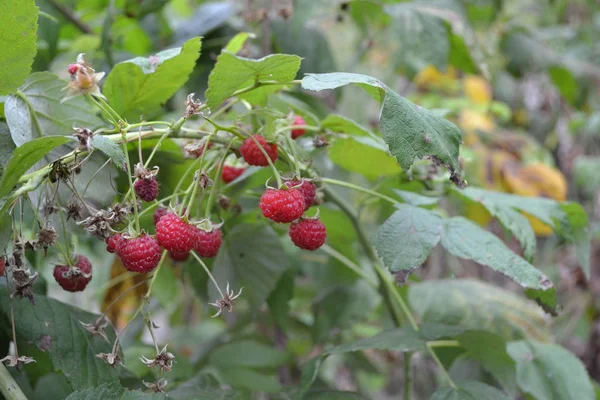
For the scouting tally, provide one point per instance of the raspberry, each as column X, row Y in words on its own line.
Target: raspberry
column 208, row 243
column 308, row 234
column 282, row 205
column 140, row 254
column 179, row 255
column 174, row 234
column 159, row 213
column 73, row 68
column 75, row 278
column 146, row 189
column 231, row 173
column 2, row 266
column 296, row 133
column 308, row 190
column 112, row 242
column 252, row 154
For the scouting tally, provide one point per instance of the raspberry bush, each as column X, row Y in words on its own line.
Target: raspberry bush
column 195, row 204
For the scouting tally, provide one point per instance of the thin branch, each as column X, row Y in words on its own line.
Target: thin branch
column 70, row 15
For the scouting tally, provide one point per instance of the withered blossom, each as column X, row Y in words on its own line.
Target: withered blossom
column 163, row 359
column 84, row 79
column 97, row 328
column 14, row 361
column 226, row 302
column 23, row 280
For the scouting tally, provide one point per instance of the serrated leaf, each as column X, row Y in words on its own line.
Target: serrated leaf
column 241, row 262
column 409, row 131
column 415, row 199
column 25, row 157
column 139, row 87
column 18, row 20
column 232, row 73
column 35, row 110
column 55, row 327
column 478, row 305
column 464, row 239
column 111, row 149
column 237, row 42
column 406, row 239
column 469, row 390
column 106, row 391
column 363, row 155
column 549, row 371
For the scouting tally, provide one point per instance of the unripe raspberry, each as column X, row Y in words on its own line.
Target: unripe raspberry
column 174, row 234
column 296, row 133
column 252, row 153
column 208, row 243
column 282, row 205
column 112, row 242
column 140, row 254
column 146, row 189
column 308, row 234
column 231, row 173
column 74, row 278
column 308, row 190
column 73, row 68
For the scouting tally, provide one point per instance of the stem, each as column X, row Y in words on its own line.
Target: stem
column 131, row 191
column 344, row 260
column 407, row 376
column 8, row 387
column 288, row 140
column 64, row 225
column 213, row 189
column 196, row 183
column 264, row 83
column 292, row 127
column 443, row 343
column 160, row 264
column 441, row 367
column 212, row 278
column 264, row 152
column 360, row 189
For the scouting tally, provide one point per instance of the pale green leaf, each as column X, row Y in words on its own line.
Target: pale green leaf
column 469, row 390
column 7, row 146
column 478, row 305
column 232, row 73
column 464, row 239
column 25, row 157
column 18, row 19
column 111, row 149
column 409, row 131
column 139, row 87
column 549, row 371
column 35, row 110
column 237, row 42
column 406, row 239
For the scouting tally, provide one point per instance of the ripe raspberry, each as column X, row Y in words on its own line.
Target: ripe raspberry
column 179, row 255
column 112, row 242
column 73, row 68
column 159, row 213
column 308, row 190
column 296, row 133
column 2, row 266
column 146, row 189
column 174, row 234
column 208, row 243
column 231, row 173
column 308, row 234
column 76, row 277
column 282, row 205
column 252, row 154
column 140, row 254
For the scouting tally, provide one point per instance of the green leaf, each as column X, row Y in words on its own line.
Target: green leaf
column 279, row 299
column 201, row 387
column 341, row 124
column 7, row 146
column 363, row 155
column 237, row 42
column 242, row 263
column 332, row 395
column 464, row 239
column 409, row 130
column 140, row 86
column 56, row 327
column 415, row 199
column 489, row 350
column 255, row 355
column 565, row 82
column 232, row 73
column 406, row 239
column 18, row 20
column 469, row 390
column 111, row 149
column 478, row 305
column 585, row 171
column 549, row 371
column 137, row 9
column 35, row 110
column 25, row 157
column 106, row 391
column 242, row 378
column 166, row 288
column 513, row 221
column 6, row 230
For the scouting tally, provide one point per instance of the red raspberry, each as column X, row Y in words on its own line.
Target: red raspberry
column 296, row 133
column 231, row 173
column 308, row 234
column 140, row 254
column 252, row 154
column 75, row 278
column 146, row 189
column 73, row 68
column 2, row 266
column 282, row 205
column 159, row 213
column 174, row 234
column 112, row 242
column 308, row 190
column 208, row 243
column 179, row 256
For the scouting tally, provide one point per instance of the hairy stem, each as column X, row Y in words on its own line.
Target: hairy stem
column 8, row 387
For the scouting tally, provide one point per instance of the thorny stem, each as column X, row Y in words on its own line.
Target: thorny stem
column 212, row 278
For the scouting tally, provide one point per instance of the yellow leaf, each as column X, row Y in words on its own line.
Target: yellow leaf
column 123, row 309
column 430, row 77
column 477, row 89
column 472, row 121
